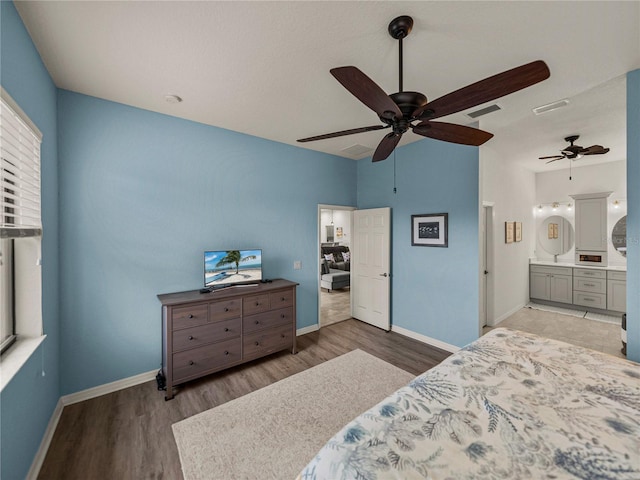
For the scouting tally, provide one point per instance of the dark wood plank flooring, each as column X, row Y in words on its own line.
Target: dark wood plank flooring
column 127, row 434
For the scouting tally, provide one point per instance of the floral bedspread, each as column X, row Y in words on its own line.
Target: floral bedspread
column 510, row 405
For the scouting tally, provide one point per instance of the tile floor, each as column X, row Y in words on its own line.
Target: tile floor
column 335, row 306
column 584, row 332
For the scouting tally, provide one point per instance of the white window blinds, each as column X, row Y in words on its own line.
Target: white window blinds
column 19, row 172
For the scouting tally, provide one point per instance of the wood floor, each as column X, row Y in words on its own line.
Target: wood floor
column 127, row 434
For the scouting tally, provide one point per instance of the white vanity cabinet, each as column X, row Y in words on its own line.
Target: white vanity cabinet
column 551, row 283
column 617, row 291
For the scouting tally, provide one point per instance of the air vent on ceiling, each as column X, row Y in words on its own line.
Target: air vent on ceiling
column 484, row 111
column 356, row 150
column 550, row 107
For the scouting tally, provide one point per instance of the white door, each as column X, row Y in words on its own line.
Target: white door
column 370, row 266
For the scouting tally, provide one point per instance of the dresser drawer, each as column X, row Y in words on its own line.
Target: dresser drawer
column 197, row 361
column 594, row 300
column 203, row 334
column 224, row 309
column 612, row 275
column 267, row 319
column 255, row 304
column 183, row 317
column 592, row 285
column 587, row 273
column 281, row 299
column 267, row 341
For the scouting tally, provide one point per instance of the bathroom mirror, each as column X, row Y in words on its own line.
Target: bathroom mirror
column 556, row 235
column 619, row 236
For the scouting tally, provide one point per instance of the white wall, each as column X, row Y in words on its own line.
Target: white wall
column 555, row 186
column 512, row 191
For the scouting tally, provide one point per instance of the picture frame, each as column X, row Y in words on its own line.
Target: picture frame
column 509, row 230
column 430, row 230
column 518, row 232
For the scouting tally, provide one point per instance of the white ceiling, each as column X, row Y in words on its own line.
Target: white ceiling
column 262, row 68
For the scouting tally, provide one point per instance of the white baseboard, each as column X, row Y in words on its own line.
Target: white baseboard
column 504, row 316
column 108, row 388
column 305, row 330
column 424, row 339
column 36, row 465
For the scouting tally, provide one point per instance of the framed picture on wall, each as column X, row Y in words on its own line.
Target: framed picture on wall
column 518, row 232
column 338, row 232
column 430, row 230
column 508, row 232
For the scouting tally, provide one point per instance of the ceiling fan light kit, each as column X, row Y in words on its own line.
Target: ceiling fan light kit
column 403, row 111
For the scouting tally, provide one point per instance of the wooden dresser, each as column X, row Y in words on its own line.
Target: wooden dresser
column 203, row 333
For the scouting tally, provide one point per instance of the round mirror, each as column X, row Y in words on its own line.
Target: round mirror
column 556, row 235
column 619, row 236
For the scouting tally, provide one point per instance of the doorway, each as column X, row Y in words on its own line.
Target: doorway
column 335, row 226
column 486, row 267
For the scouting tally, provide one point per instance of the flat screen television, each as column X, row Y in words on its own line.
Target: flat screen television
column 230, row 267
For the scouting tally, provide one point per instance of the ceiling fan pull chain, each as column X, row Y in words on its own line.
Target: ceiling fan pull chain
column 395, row 190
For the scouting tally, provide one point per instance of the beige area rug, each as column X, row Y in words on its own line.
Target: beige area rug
column 274, row 432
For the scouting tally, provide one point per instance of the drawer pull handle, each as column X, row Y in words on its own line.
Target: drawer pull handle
column 283, row 335
column 589, row 285
column 226, row 352
column 283, row 299
column 257, row 322
column 257, row 304
column 226, row 309
column 589, row 300
column 190, row 315
column 282, row 315
column 226, row 329
column 257, row 343
column 190, row 337
column 191, row 362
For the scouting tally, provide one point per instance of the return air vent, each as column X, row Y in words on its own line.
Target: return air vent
column 356, row 151
column 484, row 111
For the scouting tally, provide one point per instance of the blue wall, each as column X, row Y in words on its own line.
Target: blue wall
column 434, row 291
column 27, row 402
column 633, row 215
column 142, row 195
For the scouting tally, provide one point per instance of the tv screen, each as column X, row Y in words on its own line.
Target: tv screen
column 222, row 267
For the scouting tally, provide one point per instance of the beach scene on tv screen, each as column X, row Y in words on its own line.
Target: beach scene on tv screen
column 232, row 266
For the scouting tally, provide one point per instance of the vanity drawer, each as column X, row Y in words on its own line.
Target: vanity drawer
column 613, row 275
column 197, row 361
column 592, row 285
column 184, row 317
column 550, row 270
column 593, row 300
column 255, row 304
column 224, row 309
column 268, row 341
column 204, row 334
column 268, row 319
column 588, row 273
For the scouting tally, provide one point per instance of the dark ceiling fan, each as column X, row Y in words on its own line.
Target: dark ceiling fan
column 402, row 111
column 573, row 152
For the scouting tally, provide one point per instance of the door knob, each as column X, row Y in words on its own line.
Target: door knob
column 384, row 275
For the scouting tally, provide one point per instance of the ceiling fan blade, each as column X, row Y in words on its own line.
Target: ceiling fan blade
column 485, row 90
column 386, row 146
column 594, row 150
column 451, row 132
column 344, row 132
column 555, row 157
column 367, row 91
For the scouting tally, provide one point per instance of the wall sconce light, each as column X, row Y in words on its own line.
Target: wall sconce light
column 569, row 206
column 539, row 207
column 616, row 204
column 555, row 206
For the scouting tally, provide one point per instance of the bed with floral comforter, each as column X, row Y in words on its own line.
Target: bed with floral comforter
column 510, row 405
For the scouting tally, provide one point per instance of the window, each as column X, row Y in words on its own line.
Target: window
column 20, row 222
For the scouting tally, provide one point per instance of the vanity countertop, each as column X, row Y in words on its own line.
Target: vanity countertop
column 618, row 268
